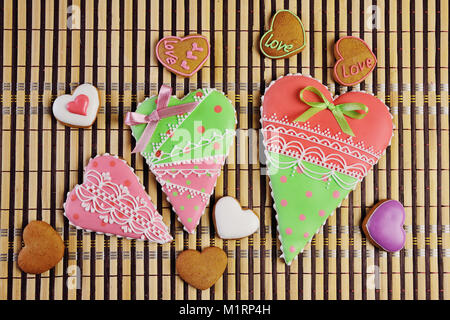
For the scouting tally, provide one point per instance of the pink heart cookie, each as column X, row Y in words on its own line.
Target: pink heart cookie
column 112, row 201
column 186, row 151
column 318, row 148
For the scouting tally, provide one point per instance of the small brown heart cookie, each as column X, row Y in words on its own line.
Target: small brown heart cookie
column 285, row 38
column 183, row 56
column 354, row 61
column 201, row 270
column 43, row 248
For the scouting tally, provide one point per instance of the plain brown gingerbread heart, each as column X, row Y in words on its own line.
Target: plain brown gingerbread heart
column 201, row 270
column 43, row 248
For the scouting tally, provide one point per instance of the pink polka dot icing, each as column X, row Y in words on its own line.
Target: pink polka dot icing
column 322, row 162
column 283, row 202
column 283, row 179
column 288, row 231
column 109, row 184
column 190, row 193
column 200, row 129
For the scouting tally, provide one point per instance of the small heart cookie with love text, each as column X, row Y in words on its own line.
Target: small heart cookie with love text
column 285, row 38
column 183, row 56
column 355, row 61
column 201, row 270
column 79, row 109
column 232, row 222
column 43, row 248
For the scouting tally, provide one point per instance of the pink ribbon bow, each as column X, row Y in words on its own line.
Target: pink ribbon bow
column 162, row 111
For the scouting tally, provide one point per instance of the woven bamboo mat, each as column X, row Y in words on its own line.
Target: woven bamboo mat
column 49, row 47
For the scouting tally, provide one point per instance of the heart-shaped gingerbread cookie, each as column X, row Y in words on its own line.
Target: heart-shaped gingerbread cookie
column 112, row 201
column 79, row 109
column 383, row 225
column 355, row 61
column 185, row 148
column 232, row 222
column 43, row 248
column 286, row 36
column 201, row 270
column 318, row 149
column 183, row 56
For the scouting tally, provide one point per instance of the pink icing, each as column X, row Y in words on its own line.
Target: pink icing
column 322, row 132
column 188, row 187
column 79, row 105
column 169, row 42
column 111, row 200
column 355, row 68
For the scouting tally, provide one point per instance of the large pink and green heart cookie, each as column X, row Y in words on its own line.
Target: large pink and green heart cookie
column 318, row 149
column 186, row 151
column 111, row 200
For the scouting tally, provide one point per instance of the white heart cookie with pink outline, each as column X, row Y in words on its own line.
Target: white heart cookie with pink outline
column 78, row 109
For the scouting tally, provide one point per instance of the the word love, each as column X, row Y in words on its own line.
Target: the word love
column 355, row 61
column 183, row 56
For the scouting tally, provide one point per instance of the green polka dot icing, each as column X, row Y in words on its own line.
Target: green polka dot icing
column 323, row 148
column 219, row 127
column 178, row 150
column 175, row 193
column 302, row 204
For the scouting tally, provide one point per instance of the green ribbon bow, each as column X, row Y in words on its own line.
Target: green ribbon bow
column 339, row 111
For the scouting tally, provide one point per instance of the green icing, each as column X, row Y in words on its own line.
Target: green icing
column 302, row 203
column 206, row 125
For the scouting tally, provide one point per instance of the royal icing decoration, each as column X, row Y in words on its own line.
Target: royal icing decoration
column 354, row 61
column 313, row 160
column 384, row 225
column 286, row 36
column 183, row 56
column 186, row 151
column 79, row 109
column 232, row 222
column 112, row 201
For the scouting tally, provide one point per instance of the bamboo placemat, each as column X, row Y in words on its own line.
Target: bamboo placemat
column 49, row 47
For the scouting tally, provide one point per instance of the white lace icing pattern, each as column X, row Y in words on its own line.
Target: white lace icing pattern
column 308, row 144
column 115, row 205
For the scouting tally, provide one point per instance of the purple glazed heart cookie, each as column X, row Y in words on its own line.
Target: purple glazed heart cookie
column 383, row 225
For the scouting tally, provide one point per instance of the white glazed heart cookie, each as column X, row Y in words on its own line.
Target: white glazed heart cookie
column 79, row 109
column 232, row 222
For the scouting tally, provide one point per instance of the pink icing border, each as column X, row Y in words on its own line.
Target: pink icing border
column 341, row 58
column 182, row 39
